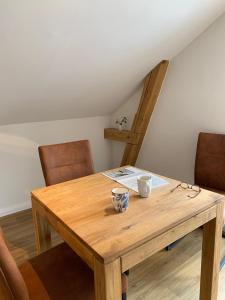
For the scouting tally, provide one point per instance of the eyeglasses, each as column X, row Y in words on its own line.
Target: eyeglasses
column 186, row 186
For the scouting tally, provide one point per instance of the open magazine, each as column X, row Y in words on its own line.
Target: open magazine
column 128, row 177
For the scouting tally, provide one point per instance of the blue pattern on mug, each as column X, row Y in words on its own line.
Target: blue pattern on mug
column 120, row 199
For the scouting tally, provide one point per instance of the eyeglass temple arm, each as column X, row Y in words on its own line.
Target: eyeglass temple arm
column 173, row 189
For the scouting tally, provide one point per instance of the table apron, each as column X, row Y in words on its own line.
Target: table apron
column 80, row 248
column 139, row 254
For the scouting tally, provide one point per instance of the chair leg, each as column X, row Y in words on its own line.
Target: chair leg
column 124, row 296
column 125, row 284
column 172, row 245
column 222, row 263
column 169, row 247
column 223, row 232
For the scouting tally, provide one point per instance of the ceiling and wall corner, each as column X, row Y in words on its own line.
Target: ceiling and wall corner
column 72, row 59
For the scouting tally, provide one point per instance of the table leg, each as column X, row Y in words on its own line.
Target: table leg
column 108, row 280
column 212, row 235
column 42, row 231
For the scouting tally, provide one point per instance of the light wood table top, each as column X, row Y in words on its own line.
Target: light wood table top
column 85, row 206
column 81, row 211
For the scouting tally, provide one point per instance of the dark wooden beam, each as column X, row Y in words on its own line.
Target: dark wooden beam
column 134, row 137
column 151, row 90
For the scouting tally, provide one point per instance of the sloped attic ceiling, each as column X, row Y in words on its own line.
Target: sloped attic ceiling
column 77, row 58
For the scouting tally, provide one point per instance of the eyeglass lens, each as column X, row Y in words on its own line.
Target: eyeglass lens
column 189, row 186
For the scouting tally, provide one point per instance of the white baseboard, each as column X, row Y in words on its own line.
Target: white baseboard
column 14, row 208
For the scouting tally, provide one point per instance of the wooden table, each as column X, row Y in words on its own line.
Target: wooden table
column 110, row 243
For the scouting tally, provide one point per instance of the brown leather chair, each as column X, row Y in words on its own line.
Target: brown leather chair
column 67, row 161
column 210, row 168
column 57, row 274
column 210, row 162
column 210, row 165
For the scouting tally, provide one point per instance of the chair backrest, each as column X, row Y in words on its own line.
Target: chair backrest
column 67, row 161
column 210, row 161
column 12, row 285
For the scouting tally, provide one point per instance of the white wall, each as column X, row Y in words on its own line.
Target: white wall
column 192, row 100
column 20, row 169
column 76, row 58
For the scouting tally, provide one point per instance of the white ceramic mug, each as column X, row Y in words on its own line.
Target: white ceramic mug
column 144, row 186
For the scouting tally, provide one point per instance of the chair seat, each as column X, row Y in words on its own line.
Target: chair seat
column 58, row 274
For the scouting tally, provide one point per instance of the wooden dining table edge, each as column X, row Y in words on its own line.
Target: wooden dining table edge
column 107, row 276
column 159, row 242
column 59, row 225
column 108, row 258
column 107, row 272
column 40, row 211
column 107, row 268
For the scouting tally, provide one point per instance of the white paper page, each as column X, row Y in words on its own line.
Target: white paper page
column 130, row 181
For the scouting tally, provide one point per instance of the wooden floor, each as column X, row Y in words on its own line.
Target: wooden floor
column 169, row 275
